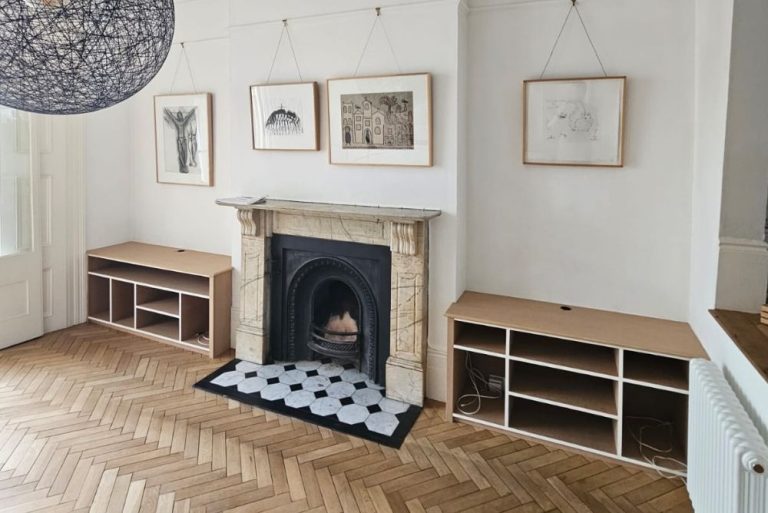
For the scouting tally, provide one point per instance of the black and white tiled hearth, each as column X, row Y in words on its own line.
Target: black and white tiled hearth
column 325, row 392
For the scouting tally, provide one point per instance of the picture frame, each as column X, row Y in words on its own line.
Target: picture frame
column 380, row 120
column 184, row 139
column 285, row 116
column 574, row 121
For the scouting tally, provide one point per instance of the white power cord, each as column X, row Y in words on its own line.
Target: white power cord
column 470, row 404
column 643, row 446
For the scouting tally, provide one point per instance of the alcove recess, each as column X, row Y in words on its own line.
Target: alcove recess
column 174, row 296
column 587, row 379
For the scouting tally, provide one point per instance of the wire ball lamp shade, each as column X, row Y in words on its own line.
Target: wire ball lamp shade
column 77, row 56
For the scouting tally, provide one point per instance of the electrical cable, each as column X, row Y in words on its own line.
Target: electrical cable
column 644, row 446
column 470, row 404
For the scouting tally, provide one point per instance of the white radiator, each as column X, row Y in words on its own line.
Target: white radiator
column 727, row 457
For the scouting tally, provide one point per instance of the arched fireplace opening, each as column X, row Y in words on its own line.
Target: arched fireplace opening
column 335, row 329
column 331, row 300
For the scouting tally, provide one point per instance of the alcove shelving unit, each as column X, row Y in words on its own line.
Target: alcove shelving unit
column 178, row 297
column 587, row 379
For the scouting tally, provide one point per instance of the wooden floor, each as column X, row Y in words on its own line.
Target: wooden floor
column 94, row 420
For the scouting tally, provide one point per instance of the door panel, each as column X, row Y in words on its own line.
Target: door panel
column 21, row 316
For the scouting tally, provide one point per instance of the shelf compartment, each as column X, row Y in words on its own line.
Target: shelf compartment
column 98, row 298
column 158, row 324
column 656, row 370
column 157, row 278
column 580, row 429
column 194, row 320
column 645, row 406
column 157, row 300
column 575, row 356
column 567, row 389
column 479, row 338
column 492, row 410
column 123, row 304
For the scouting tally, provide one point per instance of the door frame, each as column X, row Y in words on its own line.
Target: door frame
column 76, row 213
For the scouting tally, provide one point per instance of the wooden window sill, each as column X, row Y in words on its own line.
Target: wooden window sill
column 749, row 335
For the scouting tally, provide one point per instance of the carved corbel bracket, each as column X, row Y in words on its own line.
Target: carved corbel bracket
column 404, row 237
column 254, row 223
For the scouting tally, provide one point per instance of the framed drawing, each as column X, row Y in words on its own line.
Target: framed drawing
column 382, row 121
column 574, row 121
column 285, row 117
column 184, row 139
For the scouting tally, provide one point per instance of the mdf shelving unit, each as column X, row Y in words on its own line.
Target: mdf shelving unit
column 582, row 378
column 178, row 297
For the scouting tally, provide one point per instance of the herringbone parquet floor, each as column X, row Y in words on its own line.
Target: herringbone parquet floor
column 92, row 420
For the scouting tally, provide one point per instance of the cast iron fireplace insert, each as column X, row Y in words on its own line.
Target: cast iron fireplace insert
column 330, row 299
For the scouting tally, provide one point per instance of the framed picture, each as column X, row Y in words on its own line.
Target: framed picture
column 285, row 117
column 384, row 121
column 574, row 121
column 184, row 139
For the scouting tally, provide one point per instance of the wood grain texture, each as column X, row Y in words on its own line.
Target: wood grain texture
column 93, row 419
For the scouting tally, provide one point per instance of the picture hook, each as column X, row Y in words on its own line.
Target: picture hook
column 285, row 22
column 378, row 11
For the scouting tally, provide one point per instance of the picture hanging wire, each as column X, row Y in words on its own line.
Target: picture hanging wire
column 377, row 21
column 287, row 33
column 574, row 7
column 185, row 58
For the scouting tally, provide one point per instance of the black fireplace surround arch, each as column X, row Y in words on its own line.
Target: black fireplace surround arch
column 300, row 267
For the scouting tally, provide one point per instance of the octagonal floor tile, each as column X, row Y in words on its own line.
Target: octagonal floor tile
column 325, row 406
column 353, row 414
column 316, row 383
column 392, row 406
column 330, row 369
column 293, row 377
column 306, row 365
column 251, row 385
column 341, row 390
column 299, row 399
column 366, row 397
column 247, row 366
column 228, row 379
column 275, row 391
column 270, row 371
column 382, row 422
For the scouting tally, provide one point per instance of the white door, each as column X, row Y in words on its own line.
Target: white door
column 21, row 255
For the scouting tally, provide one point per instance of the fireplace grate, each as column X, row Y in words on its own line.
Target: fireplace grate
column 335, row 344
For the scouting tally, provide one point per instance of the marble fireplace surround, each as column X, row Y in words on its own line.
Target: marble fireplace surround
column 404, row 231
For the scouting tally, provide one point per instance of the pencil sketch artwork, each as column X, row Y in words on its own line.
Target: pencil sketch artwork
column 283, row 121
column 183, row 122
column 377, row 120
column 570, row 120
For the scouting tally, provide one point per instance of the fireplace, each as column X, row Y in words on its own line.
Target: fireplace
column 384, row 255
column 330, row 299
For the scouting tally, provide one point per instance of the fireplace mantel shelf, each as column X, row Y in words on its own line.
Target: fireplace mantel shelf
column 401, row 215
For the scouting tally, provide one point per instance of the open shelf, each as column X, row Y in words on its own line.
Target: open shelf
column 571, row 390
column 194, row 319
column 649, row 407
column 122, row 303
column 492, row 410
column 560, row 424
column 576, row 356
column 476, row 337
column 157, row 324
column 157, row 300
column 98, row 298
column 656, row 370
column 169, row 280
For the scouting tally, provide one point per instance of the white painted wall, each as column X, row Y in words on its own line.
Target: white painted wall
column 714, row 28
column 616, row 239
column 107, row 160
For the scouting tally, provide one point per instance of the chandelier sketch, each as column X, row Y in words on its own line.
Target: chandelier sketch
column 77, row 56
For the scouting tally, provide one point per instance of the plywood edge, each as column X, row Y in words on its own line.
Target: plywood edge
column 166, row 258
column 620, row 330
